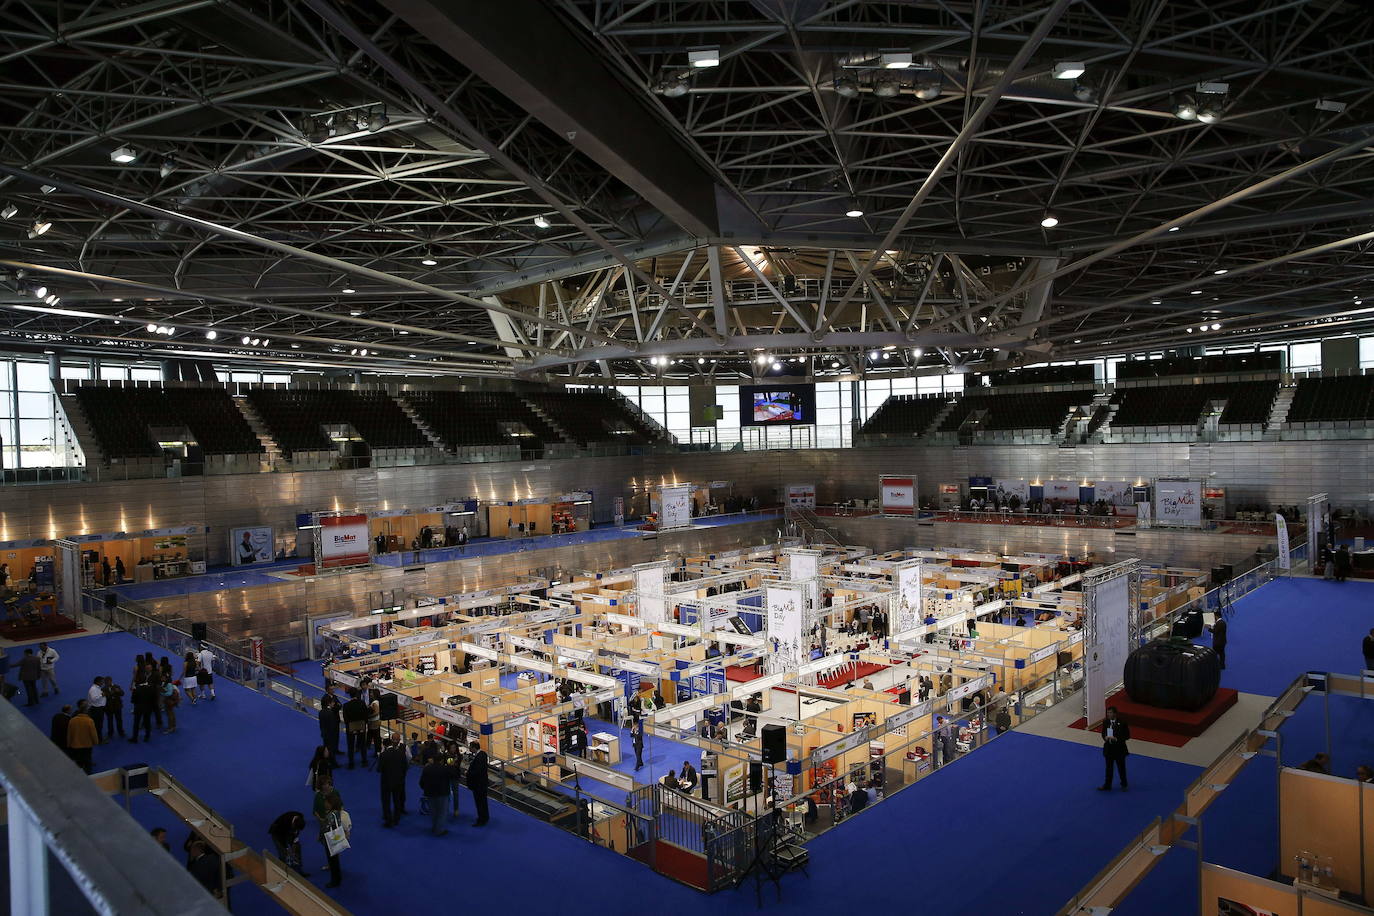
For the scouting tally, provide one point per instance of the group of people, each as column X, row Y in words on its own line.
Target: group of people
column 1335, row 563
column 684, row 780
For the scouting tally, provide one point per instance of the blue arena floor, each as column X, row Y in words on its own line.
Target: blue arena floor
column 978, row 837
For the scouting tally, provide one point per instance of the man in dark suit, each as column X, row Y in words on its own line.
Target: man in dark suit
column 477, row 782
column 1219, row 639
column 637, row 741
column 391, row 767
column 1115, row 734
column 1368, row 649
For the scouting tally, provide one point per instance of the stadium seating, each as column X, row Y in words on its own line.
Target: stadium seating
column 463, row 419
column 297, row 418
column 904, row 415
column 122, row 420
column 593, row 416
column 1342, row 398
column 1183, row 405
column 1045, row 410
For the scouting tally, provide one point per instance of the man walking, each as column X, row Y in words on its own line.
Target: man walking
column 81, row 737
column 30, row 670
column 145, row 699
column 637, row 741
column 205, row 671
column 47, row 659
column 1219, row 639
column 477, row 782
column 58, row 730
column 434, row 785
column 391, row 768
column 95, row 705
column 1115, row 734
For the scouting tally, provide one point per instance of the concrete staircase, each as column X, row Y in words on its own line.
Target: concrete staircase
column 1278, row 412
column 1101, row 401
column 415, row 418
column 939, row 418
column 80, row 426
column 557, row 427
column 272, row 454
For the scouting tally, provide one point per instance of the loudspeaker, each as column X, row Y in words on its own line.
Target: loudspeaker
column 111, row 600
column 1222, row 574
column 198, row 630
column 388, row 707
column 755, row 777
column 774, row 744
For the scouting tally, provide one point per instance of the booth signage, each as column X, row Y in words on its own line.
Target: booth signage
column 344, row 541
column 907, row 716
column 801, row 495
column 973, row 686
column 1281, row 529
column 637, row 667
column 524, row 642
column 897, row 495
column 449, row 715
column 415, row 639
column 785, row 614
column 340, row 677
column 1178, row 502
column 1039, row 655
column 577, row 655
column 250, row 545
column 675, row 509
column 836, row 748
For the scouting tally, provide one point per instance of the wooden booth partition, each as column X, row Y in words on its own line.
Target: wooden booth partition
column 1226, row 893
column 1319, row 815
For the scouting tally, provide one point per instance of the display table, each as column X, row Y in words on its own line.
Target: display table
column 605, row 748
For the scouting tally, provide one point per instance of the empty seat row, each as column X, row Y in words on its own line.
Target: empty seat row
column 1349, row 397
column 1035, row 410
column 123, row 420
column 904, row 415
column 1183, row 405
column 298, row 418
column 594, row 417
column 463, row 419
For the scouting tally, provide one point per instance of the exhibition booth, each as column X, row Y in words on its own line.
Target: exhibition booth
column 161, row 553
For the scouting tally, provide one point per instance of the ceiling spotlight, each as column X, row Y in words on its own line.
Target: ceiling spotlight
column 47, row 188
column 265, row 341
column 246, row 341
column 40, row 291
column 123, row 155
column 887, row 356
column 363, row 351
column 52, row 299
column 872, row 354
column 886, row 89
column 348, row 290
column 673, row 87
column 1078, row 340
column 211, row 334
column 1209, row 113
column 846, row 87
column 377, row 121
column 761, row 359
column 1069, row 69
column 9, row 211
column 542, row 222
column 916, row 353
column 928, row 89
column 295, row 346
column 355, row 312
column 895, row 60
column 854, row 212
column 701, row 58
column 1219, row 271
column 777, row 366
column 353, row 352
column 701, row 360
column 1216, row 327
column 1185, row 108
column 1156, row 301
column 1050, row 221
column 1084, row 92
column 1175, row 228
column 834, row 365
column 152, row 329
column 168, row 166
column 429, row 260
column 255, row 341
column 40, row 227
column 1197, row 292
column 1190, row 330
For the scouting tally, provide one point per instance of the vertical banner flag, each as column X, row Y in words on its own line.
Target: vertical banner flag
column 908, row 614
column 619, row 511
column 1281, row 529
column 784, row 606
column 649, row 588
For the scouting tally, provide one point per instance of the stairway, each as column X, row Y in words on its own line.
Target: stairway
column 939, row 419
column 76, row 421
column 1100, row 402
column 272, row 454
column 424, row 427
column 1278, row 412
column 807, row 525
column 553, row 424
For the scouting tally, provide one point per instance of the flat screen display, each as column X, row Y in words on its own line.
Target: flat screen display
column 777, row 405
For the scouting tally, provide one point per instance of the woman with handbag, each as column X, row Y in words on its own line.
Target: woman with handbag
column 188, row 675
column 334, row 834
column 171, row 697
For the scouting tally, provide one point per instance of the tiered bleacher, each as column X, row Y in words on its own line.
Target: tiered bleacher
column 904, row 415
column 1135, row 369
column 1183, row 405
column 464, row 419
column 297, row 418
column 1043, row 410
column 1343, row 398
column 594, row 417
column 123, row 419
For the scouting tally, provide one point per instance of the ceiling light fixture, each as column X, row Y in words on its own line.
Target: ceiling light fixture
column 845, row 87
column 124, row 155
column 777, row 367
column 1197, row 292
column 1084, row 92
column 348, row 290
column 701, row 58
column 40, row 291
column 40, row 227
column 246, row 341
column 854, row 212
column 1216, row 327
column 168, row 166
column 1069, row 69
column 872, row 354
column 47, row 188
column 895, row 60
column 834, row 365
column 9, row 211
column 929, row 89
column 1209, row 113
column 1219, row 271
column 52, row 299
column 886, row 88
column 761, row 359
column 674, row 87
column 1185, row 107
column 542, row 222
column 429, row 260
column 211, row 334
column 1049, row 221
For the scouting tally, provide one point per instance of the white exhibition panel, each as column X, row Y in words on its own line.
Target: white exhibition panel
column 803, row 567
column 1065, row 491
column 1178, row 502
column 1106, row 655
column 675, row 507
column 897, row 495
column 908, row 614
column 801, row 495
column 649, row 579
column 1004, row 489
column 783, row 604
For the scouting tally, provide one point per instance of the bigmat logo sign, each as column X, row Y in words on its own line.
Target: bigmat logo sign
column 344, row 541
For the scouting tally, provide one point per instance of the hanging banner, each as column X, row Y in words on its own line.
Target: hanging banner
column 801, row 495
column 803, row 567
column 649, row 589
column 1109, row 641
column 250, row 545
column 897, row 495
column 1061, row 491
column 619, row 511
column 675, row 507
column 1178, row 502
column 784, row 616
column 344, row 541
column 909, row 614
column 1281, row 529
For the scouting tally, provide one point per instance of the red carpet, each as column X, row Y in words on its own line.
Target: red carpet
column 1173, row 727
column 51, row 625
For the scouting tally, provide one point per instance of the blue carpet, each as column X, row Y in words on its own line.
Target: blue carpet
column 245, row 756
column 1294, row 625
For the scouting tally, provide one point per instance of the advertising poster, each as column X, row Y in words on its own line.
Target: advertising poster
column 1119, row 494
column 784, row 616
column 1281, row 529
column 897, row 495
column 1105, row 655
column 250, row 545
column 1063, row 491
column 649, row 591
column 735, row 784
column 1004, row 490
column 1178, row 502
column 908, row 614
column 801, row 495
column 675, row 508
column 344, row 541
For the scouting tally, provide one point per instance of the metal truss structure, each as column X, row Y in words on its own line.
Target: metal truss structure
column 551, row 190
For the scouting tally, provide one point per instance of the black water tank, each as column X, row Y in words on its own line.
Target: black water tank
column 1172, row 674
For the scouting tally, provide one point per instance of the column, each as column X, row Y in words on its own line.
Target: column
column 28, row 862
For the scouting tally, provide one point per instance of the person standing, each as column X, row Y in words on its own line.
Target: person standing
column 58, row 729
column 1219, row 639
column 355, row 724
column 171, row 698
column 1368, row 648
column 335, row 818
column 145, row 702
column 205, row 671
column 95, row 705
column 455, row 778
column 435, row 784
column 30, row 670
column 114, row 707
column 81, row 737
column 1342, row 561
column 189, row 666
column 119, row 569
column 1115, row 734
column 47, row 659
column 329, row 722
column 105, row 571
column 286, row 837
column 637, row 741
column 477, row 782
column 391, row 768
column 374, row 721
